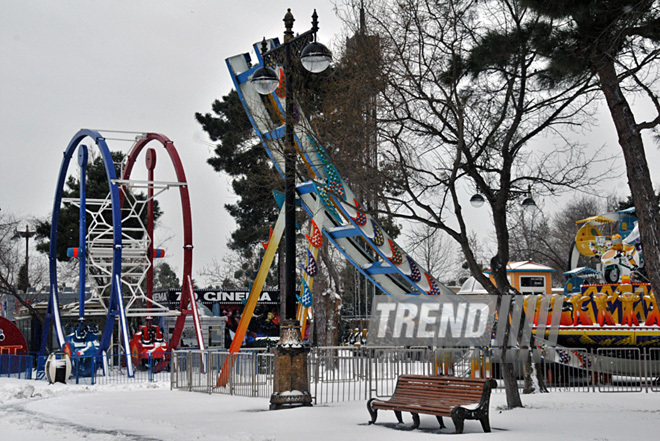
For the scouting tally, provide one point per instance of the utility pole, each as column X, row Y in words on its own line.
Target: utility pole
column 27, row 234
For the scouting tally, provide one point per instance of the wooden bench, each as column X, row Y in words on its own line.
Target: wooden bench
column 439, row 396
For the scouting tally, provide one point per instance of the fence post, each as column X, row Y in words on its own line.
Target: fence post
column 150, row 362
column 316, row 359
column 646, row 371
column 232, row 372
column 593, row 374
column 189, row 358
column 371, row 357
column 172, row 369
column 209, row 371
column 254, row 373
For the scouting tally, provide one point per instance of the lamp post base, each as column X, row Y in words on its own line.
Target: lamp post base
column 291, row 382
column 292, row 398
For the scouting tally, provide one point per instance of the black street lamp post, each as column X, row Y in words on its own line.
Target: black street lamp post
column 27, row 234
column 315, row 57
column 291, row 357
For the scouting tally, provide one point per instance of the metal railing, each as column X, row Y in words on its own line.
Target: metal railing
column 342, row 373
column 16, row 366
column 345, row 373
column 94, row 370
column 248, row 373
column 653, row 370
column 573, row 371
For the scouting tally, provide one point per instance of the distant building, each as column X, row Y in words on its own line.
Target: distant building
column 527, row 277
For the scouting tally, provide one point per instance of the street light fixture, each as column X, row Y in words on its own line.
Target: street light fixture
column 265, row 80
column 316, row 58
column 477, row 200
column 528, row 202
column 27, row 234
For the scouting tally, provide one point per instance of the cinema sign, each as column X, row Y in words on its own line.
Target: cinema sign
column 208, row 297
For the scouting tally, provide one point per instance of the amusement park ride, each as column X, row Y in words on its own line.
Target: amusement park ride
column 115, row 252
column 609, row 306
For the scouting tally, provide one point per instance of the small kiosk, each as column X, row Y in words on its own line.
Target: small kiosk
column 528, row 277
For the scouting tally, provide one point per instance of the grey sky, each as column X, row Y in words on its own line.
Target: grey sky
column 127, row 65
column 148, row 66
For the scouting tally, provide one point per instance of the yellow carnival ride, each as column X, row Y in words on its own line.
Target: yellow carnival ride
column 611, row 305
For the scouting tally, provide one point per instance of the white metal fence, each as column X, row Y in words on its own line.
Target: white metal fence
column 343, row 373
column 249, row 373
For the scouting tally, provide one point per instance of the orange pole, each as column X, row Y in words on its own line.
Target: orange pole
column 251, row 303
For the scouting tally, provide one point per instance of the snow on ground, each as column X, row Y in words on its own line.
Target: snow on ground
column 151, row 411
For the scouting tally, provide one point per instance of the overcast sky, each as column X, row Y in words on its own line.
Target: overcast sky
column 144, row 66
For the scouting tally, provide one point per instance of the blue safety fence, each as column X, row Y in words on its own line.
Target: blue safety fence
column 16, row 366
column 92, row 369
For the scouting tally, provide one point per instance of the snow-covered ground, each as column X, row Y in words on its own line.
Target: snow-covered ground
column 31, row 410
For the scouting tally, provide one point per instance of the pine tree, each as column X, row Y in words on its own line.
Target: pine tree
column 617, row 41
column 165, row 277
column 239, row 154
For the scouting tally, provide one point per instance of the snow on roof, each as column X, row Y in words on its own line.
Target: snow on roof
column 471, row 286
column 525, row 266
column 582, row 271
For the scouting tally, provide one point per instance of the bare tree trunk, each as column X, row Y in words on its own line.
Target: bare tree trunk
column 531, row 372
column 528, row 384
column 498, row 266
column 540, row 379
column 639, row 178
column 510, row 384
column 327, row 307
column 509, row 375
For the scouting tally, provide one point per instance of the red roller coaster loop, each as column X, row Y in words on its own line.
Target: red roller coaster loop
column 187, row 305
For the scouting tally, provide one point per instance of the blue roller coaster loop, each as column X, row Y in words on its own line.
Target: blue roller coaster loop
column 116, row 306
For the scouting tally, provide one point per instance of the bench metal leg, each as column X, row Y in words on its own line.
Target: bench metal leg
column 373, row 412
column 485, row 423
column 399, row 418
column 458, row 415
column 415, row 417
column 442, row 423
